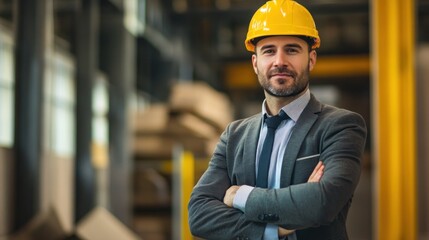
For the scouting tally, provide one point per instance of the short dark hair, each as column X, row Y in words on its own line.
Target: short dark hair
column 309, row 40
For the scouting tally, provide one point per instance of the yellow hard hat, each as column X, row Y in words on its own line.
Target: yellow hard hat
column 281, row 17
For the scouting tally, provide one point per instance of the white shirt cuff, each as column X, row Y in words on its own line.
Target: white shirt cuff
column 241, row 196
column 271, row 232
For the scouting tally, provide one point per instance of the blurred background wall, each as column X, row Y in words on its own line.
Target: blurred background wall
column 110, row 110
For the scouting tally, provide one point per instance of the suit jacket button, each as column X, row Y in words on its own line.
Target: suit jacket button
column 271, row 217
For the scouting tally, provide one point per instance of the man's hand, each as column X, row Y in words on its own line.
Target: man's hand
column 230, row 194
column 315, row 176
column 284, row 232
column 317, row 173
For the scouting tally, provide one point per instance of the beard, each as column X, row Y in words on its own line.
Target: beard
column 299, row 83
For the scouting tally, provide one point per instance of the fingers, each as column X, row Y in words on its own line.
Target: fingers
column 317, row 173
column 228, row 199
column 319, row 164
column 284, row 232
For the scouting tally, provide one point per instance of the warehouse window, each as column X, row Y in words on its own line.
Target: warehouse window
column 100, row 128
column 6, row 88
column 60, row 105
column 100, row 138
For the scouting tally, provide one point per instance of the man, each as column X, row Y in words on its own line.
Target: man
column 294, row 180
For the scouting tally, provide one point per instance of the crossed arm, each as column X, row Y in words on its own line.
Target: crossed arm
column 315, row 176
column 298, row 206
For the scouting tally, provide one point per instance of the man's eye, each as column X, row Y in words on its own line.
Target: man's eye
column 268, row 51
column 291, row 50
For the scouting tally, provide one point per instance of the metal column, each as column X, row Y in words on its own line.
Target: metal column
column 395, row 116
column 117, row 60
column 87, row 67
column 33, row 33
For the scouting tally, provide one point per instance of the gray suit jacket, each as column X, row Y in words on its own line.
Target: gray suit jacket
column 317, row 210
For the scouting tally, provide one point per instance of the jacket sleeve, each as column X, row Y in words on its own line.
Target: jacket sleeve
column 209, row 217
column 342, row 141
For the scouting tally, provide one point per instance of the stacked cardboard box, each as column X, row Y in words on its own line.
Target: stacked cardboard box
column 194, row 117
column 202, row 101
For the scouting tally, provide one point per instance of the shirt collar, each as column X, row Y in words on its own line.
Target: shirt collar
column 293, row 109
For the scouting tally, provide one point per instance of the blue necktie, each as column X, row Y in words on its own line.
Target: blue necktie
column 265, row 157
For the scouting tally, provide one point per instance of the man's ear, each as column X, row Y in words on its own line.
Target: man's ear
column 313, row 59
column 254, row 63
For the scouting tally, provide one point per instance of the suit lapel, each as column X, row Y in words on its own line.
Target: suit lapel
column 299, row 132
column 250, row 146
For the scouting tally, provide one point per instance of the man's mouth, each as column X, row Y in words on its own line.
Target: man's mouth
column 282, row 74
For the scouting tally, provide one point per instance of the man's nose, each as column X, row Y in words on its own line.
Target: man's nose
column 280, row 59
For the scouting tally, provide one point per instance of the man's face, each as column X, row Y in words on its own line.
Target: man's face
column 283, row 65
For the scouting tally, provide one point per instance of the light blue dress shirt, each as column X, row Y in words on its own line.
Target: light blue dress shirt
column 281, row 139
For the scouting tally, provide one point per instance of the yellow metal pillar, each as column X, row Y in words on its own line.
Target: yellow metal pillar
column 187, row 183
column 394, row 118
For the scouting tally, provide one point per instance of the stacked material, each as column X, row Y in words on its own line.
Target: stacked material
column 193, row 119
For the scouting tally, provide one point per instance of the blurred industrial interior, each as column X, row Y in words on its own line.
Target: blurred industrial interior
column 110, row 110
